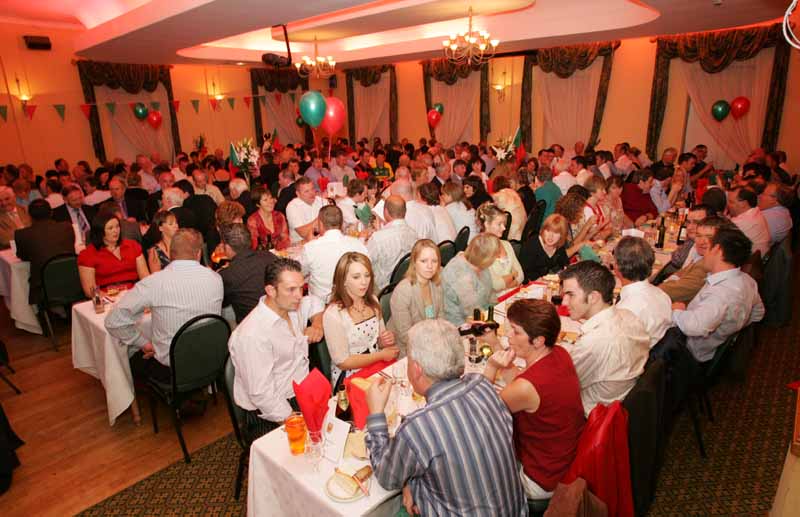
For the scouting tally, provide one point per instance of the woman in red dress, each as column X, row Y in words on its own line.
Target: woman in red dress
column 108, row 259
column 268, row 228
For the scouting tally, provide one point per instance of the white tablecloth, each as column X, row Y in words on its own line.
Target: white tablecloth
column 14, row 288
column 95, row 352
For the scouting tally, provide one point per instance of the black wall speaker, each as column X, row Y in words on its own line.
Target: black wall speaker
column 37, row 42
column 333, row 81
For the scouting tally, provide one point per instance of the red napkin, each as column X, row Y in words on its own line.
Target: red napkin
column 312, row 396
column 323, row 182
column 362, row 175
column 357, row 397
column 562, row 310
column 514, row 291
column 490, row 186
column 794, row 385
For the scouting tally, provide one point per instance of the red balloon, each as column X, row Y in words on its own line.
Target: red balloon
column 154, row 119
column 739, row 107
column 434, row 117
column 334, row 116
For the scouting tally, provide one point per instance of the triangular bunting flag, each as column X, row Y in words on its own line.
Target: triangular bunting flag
column 60, row 109
column 330, row 92
column 132, row 105
column 293, row 97
column 176, row 105
column 195, row 105
column 4, row 112
column 155, row 105
column 231, row 101
column 263, row 99
column 87, row 110
column 111, row 107
column 278, row 97
column 213, row 102
column 247, row 101
column 29, row 110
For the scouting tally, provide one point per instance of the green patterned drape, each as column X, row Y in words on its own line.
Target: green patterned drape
column 132, row 79
column 444, row 71
column 282, row 80
column 565, row 61
column 777, row 94
column 366, row 77
column 715, row 51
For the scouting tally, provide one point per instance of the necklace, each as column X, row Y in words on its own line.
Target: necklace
column 362, row 311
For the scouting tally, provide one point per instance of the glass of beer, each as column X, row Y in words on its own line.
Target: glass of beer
column 296, row 431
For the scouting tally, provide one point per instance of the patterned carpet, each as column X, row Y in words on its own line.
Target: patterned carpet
column 746, row 447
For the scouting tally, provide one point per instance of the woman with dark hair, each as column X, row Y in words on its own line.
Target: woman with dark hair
column 477, row 168
column 571, row 207
column 108, row 259
column 268, row 227
column 544, row 398
column 429, row 193
column 459, row 209
column 475, row 190
column 162, row 229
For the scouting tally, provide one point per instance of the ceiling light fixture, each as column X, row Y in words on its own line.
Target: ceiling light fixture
column 216, row 94
column 473, row 47
column 318, row 67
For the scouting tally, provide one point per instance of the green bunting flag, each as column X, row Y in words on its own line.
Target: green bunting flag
column 231, row 101
column 111, row 107
column 155, row 105
column 4, row 112
column 292, row 96
column 60, row 109
column 196, row 105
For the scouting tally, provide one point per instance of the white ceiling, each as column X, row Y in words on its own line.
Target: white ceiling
column 357, row 32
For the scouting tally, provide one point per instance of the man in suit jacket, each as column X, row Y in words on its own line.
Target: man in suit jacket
column 286, row 190
column 127, row 229
column 41, row 241
column 12, row 216
column 73, row 210
column 203, row 208
column 173, row 199
column 132, row 209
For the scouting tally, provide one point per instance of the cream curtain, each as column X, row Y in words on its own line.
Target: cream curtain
column 130, row 136
column 750, row 78
column 568, row 104
column 372, row 109
column 460, row 104
column 282, row 115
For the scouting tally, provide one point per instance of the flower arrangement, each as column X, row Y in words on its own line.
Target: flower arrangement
column 245, row 155
column 504, row 150
column 200, row 145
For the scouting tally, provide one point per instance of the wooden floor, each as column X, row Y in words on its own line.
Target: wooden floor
column 72, row 458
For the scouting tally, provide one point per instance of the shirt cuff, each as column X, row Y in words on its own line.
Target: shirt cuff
column 377, row 422
column 139, row 341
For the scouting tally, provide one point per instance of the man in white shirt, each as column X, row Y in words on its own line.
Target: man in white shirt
column 418, row 215
column 93, row 195
column 269, row 348
column 564, row 181
column 179, row 171
column 774, row 203
column 728, row 301
column 356, row 195
column 321, row 255
column 622, row 162
column 203, row 187
column 577, row 166
column 302, row 211
column 389, row 244
column 604, row 162
column 149, row 181
column 560, row 161
column 613, row 348
column 743, row 207
column 340, row 169
column 634, row 260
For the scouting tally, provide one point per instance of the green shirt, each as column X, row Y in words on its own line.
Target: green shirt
column 550, row 193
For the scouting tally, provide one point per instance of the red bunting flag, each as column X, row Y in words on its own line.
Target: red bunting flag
column 330, row 92
column 278, row 97
column 176, row 105
column 29, row 110
column 133, row 105
column 213, row 102
column 247, row 101
column 87, row 110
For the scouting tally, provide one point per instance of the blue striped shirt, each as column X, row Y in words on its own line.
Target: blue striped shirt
column 456, row 453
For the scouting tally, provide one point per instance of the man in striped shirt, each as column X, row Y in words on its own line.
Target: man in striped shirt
column 455, row 456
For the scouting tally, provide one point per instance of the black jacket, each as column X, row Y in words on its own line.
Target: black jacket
column 39, row 243
column 62, row 215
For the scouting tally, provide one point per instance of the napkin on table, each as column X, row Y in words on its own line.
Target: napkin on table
column 357, row 397
column 312, row 396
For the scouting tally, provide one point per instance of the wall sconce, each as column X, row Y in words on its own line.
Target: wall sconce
column 500, row 88
column 23, row 97
column 218, row 96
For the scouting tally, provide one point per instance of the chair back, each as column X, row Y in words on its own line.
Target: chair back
column 462, row 239
column 61, row 284
column 776, row 289
column 534, row 221
column 236, row 413
column 721, row 358
column 517, row 247
column 740, row 355
column 754, row 267
column 447, row 249
column 319, row 357
column 198, row 352
column 400, row 269
column 508, row 225
column 385, row 298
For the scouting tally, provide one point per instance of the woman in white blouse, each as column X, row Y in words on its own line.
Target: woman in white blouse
column 445, row 229
column 453, row 199
column 505, row 270
column 353, row 325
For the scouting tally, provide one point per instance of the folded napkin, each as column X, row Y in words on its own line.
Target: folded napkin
column 312, row 396
column 587, row 253
column 357, row 397
column 364, row 214
column 508, row 294
column 362, row 175
column 633, row 232
column 323, row 183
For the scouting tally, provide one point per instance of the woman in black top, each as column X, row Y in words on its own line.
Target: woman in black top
column 546, row 253
column 475, row 191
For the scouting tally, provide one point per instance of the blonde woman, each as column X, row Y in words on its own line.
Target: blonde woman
column 353, row 325
column 506, row 271
column 467, row 283
column 419, row 295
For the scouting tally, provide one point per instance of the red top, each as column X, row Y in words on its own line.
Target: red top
column 108, row 269
column 636, row 203
column 546, row 441
column 259, row 231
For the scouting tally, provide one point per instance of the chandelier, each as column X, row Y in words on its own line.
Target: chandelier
column 473, row 47
column 319, row 67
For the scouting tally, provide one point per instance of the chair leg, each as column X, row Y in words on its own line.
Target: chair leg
column 176, row 419
column 707, row 403
column 696, row 424
column 240, row 474
column 50, row 329
column 8, row 381
column 153, row 413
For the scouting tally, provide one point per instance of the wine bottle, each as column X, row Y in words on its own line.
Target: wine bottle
column 343, row 410
column 682, row 231
column 476, row 314
column 662, row 233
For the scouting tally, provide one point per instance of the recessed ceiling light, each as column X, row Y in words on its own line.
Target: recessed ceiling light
column 239, row 63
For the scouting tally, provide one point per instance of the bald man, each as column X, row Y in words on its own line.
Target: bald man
column 389, row 244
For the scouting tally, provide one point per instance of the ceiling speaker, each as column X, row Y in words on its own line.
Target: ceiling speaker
column 37, row 42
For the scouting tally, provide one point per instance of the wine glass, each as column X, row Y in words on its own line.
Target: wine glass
column 315, row 448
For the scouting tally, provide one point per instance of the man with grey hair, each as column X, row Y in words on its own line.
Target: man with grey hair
column 243, row 279
column 12, row 216
column 388, row 245
column 172, row 200
column 441, row 454
column 240, row 193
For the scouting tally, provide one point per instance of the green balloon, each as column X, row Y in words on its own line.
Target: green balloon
column 312, row 108
column 439, row 107
column 140, row 111
column 300, row 121
column 720, row 110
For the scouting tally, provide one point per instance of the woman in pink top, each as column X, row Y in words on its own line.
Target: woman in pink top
column 544, row 397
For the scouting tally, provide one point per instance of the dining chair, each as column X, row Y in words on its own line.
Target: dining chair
column 4, row 361
column 462, row 239
column 447, row 250
column 319, row 357
column 385, row 299
column 61, row 287
column 197, row 355
column 237, row 419
column 534, row 221
column 508, row 225
column 400, row 269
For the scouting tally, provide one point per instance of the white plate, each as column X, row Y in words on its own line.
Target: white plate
column 336, row 493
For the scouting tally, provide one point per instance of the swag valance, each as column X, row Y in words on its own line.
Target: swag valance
column 282, row 80
column 715, row 51
column 446, row 72
column 565, row 61
column 366, row 77
column 131, row 78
